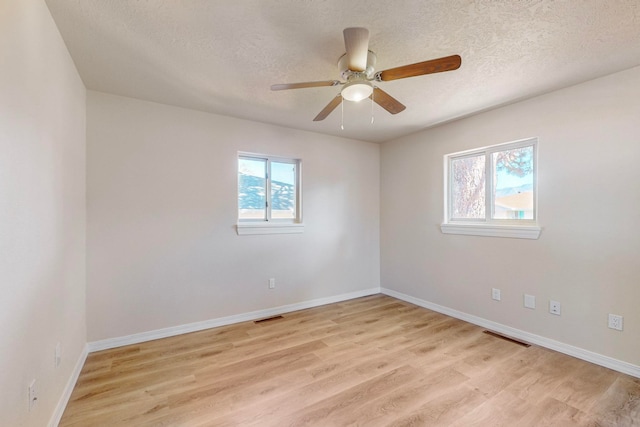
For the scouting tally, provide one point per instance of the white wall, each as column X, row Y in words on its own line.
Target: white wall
column 42, row 212
column 162, row 206
column 589, row 208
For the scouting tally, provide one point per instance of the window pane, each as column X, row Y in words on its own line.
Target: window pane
column 513, row 184
column 468, row 187
column 252, row 188
column 283, row 190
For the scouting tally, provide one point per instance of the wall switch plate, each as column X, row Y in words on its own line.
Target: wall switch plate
column 530, row 301
column 555, row 307
column 495, row 294
column 33, row 394
column 615, row 322
column 272, row 283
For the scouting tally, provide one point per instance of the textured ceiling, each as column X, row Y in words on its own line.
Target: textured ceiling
column 223, row 56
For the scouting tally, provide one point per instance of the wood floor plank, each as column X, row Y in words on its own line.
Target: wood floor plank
column 388, row 408
column 334, row 411
column 584, row 389
column 552, row 412
column 442, row 409
column 372, row 361
column 504, row 409
column 620, row 404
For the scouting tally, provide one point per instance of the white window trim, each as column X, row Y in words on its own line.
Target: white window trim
column 251, row 228
column 519, row 229
column 490, row 230
column 278, row 225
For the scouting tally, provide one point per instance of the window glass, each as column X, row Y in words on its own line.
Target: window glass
column 513, row 184
column 283, row 190
column 468, row 187
column 252, row 184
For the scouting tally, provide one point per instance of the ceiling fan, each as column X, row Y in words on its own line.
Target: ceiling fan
column 356, row 67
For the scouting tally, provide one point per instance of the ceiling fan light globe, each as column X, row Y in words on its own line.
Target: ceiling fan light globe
column 357, row 91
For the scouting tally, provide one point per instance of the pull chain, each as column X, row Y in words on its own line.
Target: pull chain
column 374, row 90
column 342, row 108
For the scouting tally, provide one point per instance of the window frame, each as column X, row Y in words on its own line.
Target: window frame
column 489, row 226
column 269, row 225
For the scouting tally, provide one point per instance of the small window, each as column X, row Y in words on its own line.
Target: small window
column 492, row 188
column 268, row 190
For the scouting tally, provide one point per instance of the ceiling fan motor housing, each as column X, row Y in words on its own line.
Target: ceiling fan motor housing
column 345, row 72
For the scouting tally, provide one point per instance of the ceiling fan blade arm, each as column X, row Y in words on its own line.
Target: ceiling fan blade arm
column 356, row 43
column 303, row 85
column 386, row 101
column 447, row 63
column 329, row 108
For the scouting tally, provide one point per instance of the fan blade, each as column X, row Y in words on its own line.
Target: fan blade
column 356, row 42
column 304, row 84
column 386, row 101
column 439, row 65
column 329, row 108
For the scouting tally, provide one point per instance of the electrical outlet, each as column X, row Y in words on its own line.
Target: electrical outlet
column 555, row 307
column 57, row 356
column 33, row 394
column 615, row 322
column 272, row 283
column 495, row 294
column 530, row 301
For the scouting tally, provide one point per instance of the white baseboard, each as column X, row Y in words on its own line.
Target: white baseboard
column 222, row 321
column 66, row 393
column 580, row 353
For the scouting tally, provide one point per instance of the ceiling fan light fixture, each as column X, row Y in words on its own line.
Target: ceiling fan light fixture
column 357, row 91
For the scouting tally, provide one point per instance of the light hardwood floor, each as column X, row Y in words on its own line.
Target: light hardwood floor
column 373, row 361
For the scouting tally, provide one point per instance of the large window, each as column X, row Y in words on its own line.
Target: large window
column 493, row 188
column 268, row 190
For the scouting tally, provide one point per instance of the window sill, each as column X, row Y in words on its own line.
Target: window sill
column 248, row 228
column 487, row 230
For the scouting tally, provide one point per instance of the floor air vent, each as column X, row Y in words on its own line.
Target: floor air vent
column 506, row 338
column 268, row 319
